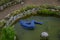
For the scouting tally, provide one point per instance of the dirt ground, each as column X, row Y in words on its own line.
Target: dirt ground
column 27, row 2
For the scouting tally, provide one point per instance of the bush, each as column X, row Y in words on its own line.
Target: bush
column 8, row 33
column 46, row 12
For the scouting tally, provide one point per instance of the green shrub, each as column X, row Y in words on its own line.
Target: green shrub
column 46, row 12
column 8, row 33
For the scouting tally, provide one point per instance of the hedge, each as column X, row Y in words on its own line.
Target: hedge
column 7, row 3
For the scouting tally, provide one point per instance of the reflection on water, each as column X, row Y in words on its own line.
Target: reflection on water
column 51, row 25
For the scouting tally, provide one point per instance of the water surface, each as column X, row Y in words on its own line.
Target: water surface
column 50, row 25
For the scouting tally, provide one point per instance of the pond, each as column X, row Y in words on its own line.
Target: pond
column 50, row 25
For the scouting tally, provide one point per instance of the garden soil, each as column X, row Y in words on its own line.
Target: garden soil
column 27, row 2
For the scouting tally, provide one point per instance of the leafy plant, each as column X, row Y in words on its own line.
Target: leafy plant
column 8, row 33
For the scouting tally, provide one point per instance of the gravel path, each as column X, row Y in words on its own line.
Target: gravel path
column 27, row 2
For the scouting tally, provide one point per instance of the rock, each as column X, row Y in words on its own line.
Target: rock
column 57, row 10
column 52, row 9
column 18, row 1
column 33, row 9
column 29, row 12
column 8, row 16
column 21, row 14
column 18, row 16
column 24, row 13
column 22, row 3
column 4, row 6
column 7, row 4
column 14, row 37
column 1, row 8
column 15, row 17
column 44, row 34
column 15, row 3
column 10, row 3
column 10, row 20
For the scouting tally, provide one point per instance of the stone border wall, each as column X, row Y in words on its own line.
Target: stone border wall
column 2, row 7
column 25, row 13
column 10, row 20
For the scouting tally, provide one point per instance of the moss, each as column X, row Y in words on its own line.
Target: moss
column 2, row 23
column 15, row 13
column 47, row 12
